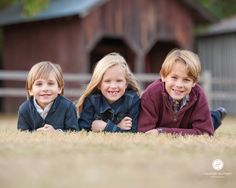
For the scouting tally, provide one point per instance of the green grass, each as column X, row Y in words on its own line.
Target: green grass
column 46, row 160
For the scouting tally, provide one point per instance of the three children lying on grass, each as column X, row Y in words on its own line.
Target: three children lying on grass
column 112, row 101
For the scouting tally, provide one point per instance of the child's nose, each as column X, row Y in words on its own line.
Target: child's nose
column 113, row 84
column 179, row 83
column 45, row 87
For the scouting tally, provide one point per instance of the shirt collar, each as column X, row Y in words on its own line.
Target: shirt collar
column 43, row 112
column 179, row 104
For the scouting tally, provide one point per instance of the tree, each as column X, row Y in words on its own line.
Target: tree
column 220, row 8
column 30, row 7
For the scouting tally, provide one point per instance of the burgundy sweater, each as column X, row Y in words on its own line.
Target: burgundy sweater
column 156, row 112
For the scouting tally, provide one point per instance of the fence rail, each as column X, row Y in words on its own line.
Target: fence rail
column 206, row 81
column 80, row 78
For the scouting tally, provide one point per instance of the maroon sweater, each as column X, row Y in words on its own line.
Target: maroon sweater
column 156, row 112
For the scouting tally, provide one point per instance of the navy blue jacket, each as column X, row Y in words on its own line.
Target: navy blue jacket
column 62, row 115
column 96, row 107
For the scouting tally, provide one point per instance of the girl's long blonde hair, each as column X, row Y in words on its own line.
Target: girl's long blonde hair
column 102, row 66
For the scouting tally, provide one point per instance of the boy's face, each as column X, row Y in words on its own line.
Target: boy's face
column 45, row 90
column 113, row 84
column 177, row 83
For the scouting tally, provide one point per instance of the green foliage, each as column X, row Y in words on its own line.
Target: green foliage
column 220, row 8
column 30, row 7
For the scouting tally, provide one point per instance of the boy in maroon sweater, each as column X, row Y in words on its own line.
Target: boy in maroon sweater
column 176, row 103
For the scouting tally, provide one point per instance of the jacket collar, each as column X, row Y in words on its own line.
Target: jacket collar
column 104, row 106
column 53, row 106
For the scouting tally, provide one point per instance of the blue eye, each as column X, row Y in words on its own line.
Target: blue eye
column 38, row 84
column 51, row 83
column 187, row 80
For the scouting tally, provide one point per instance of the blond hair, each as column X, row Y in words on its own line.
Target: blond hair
column 43, row 70
column 190, row 59
column 102, row 66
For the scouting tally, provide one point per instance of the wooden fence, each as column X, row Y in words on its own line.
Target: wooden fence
column 207, row 81
column 82, row 79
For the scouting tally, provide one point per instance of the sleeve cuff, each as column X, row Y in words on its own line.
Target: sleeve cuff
column 111, row 127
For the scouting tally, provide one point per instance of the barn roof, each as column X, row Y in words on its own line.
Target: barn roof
column 225, row 26
column 63, row 8
column 55, row 9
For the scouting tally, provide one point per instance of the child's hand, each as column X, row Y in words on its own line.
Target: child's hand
column 46, row 127
column 126, row 123
column 152, row 131
column 98, row 125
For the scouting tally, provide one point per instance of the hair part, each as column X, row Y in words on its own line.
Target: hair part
column 43, row 70
column 188, row 58
column 101, row 67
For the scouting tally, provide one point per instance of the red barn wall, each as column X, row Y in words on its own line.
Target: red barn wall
column 68, row 41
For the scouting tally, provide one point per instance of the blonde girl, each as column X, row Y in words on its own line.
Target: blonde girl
column 111, row 100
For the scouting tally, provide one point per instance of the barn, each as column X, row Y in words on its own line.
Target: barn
column 77, row 33
column 217, row 50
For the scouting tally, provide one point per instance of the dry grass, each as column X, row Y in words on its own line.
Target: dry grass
column 46, row 160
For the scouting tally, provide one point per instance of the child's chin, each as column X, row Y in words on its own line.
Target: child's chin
column 178, row 98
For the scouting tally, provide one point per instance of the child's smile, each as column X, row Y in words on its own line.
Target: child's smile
column 113, row 84
column 177, row 92
column 177, row 83
column 113, row 93
column 45, row 91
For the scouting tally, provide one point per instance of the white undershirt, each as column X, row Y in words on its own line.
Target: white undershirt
column 43, row 112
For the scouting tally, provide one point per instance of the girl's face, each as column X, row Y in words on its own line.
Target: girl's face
column 45, row 90
column 113, row 84
column 177, row 83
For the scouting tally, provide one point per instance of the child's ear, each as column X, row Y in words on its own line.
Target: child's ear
column 30, row 93
column 162, row 78
column 194, row 84
column 60, row 91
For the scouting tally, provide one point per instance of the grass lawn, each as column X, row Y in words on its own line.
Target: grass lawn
column 46, row 160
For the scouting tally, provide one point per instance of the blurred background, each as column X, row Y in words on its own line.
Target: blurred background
column 77, row 33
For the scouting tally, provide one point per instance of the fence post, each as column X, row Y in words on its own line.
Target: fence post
column 207, row 85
